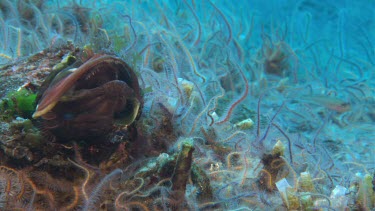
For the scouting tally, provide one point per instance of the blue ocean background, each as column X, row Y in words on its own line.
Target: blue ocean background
column 249, row 84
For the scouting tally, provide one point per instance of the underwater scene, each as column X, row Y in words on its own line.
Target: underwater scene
column 187, row 105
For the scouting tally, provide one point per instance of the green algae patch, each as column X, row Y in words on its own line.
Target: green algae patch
column 20, row 103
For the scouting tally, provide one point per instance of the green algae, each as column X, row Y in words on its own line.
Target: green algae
column 21, row 103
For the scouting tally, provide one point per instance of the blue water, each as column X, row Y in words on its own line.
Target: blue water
column 235, row 78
